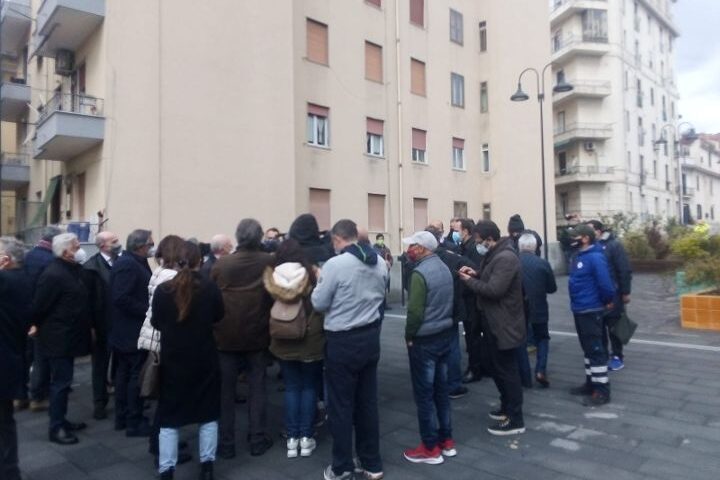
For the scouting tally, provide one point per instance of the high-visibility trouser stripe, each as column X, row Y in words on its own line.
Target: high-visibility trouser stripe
column 604, row 379
column 587, row 367
column 601, row 369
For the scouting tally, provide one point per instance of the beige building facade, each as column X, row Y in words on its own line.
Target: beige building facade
column 700, row 160
column 186, row 116
column 618, row 54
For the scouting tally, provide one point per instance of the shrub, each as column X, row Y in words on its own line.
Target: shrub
column 620, row 223
column 637, row 246
column 656, row 239
column 692, row 246
column 701, row 254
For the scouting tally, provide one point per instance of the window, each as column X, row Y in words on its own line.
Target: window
column 458, row 154
column 317, row 125
column 418, row 146
column 657, row 206
column 697, row 183
column 652, row 96
column 483, row 36
column 712, row 213
column 667, row 206
column 456, row 27
column 486, row 157
column 564, row 203
column 664, row 109
column 560, row 77
column 376, row 212
column 375, row 142
column 562, row 163
column 699, row 212
column 373, row 62
column 457, row 90
column 420, row 213
column 317, row 42
column 417, row 77
column 460, row 210
column 667, row 179
column 627, row 120
column 560, row 122
column 653, row 129
column 487, row 211
column 642, row 170
column 320, row 207
column 417, row 13
column 483, row 97
column 654, row 168
column 595, row 26
column 377, row 3
column 639, row 93
column 641, row 132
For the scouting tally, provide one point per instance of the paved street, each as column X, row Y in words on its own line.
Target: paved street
column 663, row 422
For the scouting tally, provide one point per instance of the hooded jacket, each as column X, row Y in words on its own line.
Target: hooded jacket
column 306, row 232
column 290, row 282
column 589, row 283
column 351, row 289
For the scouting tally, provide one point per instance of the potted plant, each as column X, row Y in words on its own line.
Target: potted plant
column 701, row 254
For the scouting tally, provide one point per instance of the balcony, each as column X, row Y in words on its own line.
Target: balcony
column 584, row 174
column 14, row 97
column 14, row 170
column 66, row 24
column 584, row 89
column 565, row 49
column 573, row 132
column 68, row 126
column 15, row 20
column 690, row 163
column 662, row 15
column 564, row 9
column 688, row 192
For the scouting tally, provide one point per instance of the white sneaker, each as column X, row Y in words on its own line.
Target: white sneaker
column 366, row 474
column 292, row 447
column 307, row 445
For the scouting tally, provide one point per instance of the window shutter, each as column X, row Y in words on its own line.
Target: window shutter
column 417, row 12
column 317, row 42
column 376, row 213
column 458, row 143
column 419, row 139
column 375, row 126
column 417, row 77
column 318, row 110
column 373, row 62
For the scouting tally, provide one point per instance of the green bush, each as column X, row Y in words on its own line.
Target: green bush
column 637, row 246
column 619, row 223
column 693, row 246
column 701, row 254
column 657, row 239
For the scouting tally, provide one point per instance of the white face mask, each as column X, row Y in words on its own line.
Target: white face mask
column 151, row 253
column 80, row 256
column 481, row 249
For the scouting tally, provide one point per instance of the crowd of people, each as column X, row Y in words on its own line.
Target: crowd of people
column 180, row 335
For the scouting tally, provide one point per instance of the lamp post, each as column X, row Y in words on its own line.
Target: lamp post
column 675, row 158
column 521, row 96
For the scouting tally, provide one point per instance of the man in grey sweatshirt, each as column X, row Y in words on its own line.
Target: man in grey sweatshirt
column 350, row 292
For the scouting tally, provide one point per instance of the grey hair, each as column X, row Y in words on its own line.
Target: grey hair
column 137, row 239
column 345, row 229
column 62, row 242
column 218, row 242
column 249, row 234
column 527, row 242
column 13, row 248
column 50, row 232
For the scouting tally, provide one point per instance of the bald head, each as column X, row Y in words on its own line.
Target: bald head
column 438, row 225
column 108, row 243
column 221, row 245
column 363, row 235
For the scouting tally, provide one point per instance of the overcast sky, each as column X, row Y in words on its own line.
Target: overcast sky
column 697, row 61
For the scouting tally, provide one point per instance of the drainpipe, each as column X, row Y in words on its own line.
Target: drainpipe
column 401, row 194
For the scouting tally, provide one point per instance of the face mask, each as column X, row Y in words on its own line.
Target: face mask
column 381, row 242
column 481, row 249
column 412, row 255
column 115, row 249
column 456, row 237
column 80, row 256
column 575, row 244
column 151, row 253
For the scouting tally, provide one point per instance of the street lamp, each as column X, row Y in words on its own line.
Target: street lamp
column 676, row 132
column 520, row 96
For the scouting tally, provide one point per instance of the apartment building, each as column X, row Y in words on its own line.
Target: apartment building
column 186, row 116
column 618, row 54
column 700, row 160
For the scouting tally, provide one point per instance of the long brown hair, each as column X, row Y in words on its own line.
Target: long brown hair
column 186, row 283
column 169, row 251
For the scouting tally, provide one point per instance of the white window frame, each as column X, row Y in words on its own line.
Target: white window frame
column 313, row 132
column 484, row 97
column 486, row 158
column 456, row 27
column 457, row 90
column 419, row 156
column 375, row 145
column 483, row 36
column 458, row 158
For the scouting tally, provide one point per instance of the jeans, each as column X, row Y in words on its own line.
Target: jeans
column 231, row 364
column 100, row 365
column 207, row 445
column 429, row 374
column 351, row 359
column 454, row 367
column 504, row 370
column 61, row 376
column 128, row 404
column 301, row 391
column 9, row 469
column 523, row 362
column 40, row 374
column 590, row 327
column 542, row 341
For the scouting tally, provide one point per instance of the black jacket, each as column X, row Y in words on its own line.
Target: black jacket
column 61, row 311
column 129, row 281
column 538, row 281
column 208, row 265
column 468, row 250
column 96, row 274
column 36, row 261
column 620, row 269
column 463, row 297
column 15, row 300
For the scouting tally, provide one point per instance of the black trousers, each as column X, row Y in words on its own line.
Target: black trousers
column 506, row 375
column 100, row 366
column 128, row 404
column 9, row 469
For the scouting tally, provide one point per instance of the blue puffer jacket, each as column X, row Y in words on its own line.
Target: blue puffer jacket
column 590, row 285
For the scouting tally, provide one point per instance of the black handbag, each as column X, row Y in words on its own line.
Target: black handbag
column 624, row 328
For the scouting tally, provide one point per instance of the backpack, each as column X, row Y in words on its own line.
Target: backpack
column 288, row 320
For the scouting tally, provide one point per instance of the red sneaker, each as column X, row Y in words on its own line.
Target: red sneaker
column 422, row 454
column 448, row 447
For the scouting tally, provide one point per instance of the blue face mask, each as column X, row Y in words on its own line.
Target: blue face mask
column 456, row 237
column 481, row 249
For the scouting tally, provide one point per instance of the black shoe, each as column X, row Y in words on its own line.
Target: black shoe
column 541, row 378
column 75, row 427
column 498, row 415
column 260, row 447
column 168, row 474
column 226, row 452
column 584, row 389
column 470, row 377
column 458, row 393
column 99, row 412
column 507, row 427
column 206, row 471
column 63, row 437
column 142, row 430
column 596, row 399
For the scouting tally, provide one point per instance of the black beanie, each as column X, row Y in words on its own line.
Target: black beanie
column 516, row 225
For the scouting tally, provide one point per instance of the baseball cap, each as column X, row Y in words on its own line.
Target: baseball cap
column 582, row 230
column 424, row 239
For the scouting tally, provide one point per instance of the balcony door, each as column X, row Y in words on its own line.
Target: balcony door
column 77, row 87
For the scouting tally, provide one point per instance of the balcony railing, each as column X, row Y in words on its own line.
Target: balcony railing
column 585, row 170
column 72, row 103
column 19, row 159
column 557, row 4
column 600, row 129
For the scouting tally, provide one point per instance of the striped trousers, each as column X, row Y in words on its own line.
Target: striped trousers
column 589, row 328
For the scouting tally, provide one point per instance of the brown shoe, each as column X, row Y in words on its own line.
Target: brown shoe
column 39, row 405
column 542, row 380
column 19, row 405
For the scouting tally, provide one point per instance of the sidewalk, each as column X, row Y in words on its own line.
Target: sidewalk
column 663, row 421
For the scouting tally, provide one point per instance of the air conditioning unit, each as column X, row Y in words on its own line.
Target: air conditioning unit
column 64, row 62
column 589, row 146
